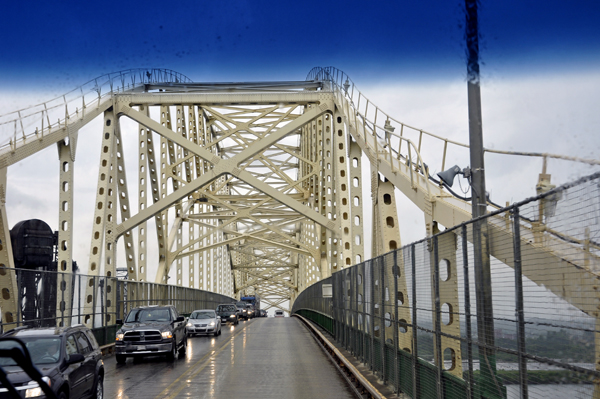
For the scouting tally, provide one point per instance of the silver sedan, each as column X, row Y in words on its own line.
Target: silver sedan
column 204, row 321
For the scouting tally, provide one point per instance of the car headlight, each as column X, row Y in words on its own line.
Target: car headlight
column 36, row 391
column 212, row 323
column 167, row 334
column 120, row 336
column 190, row 325
column 231, row 315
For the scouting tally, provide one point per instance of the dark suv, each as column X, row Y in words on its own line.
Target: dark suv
column 68, row 358
column 151, row 330
column 228, row 313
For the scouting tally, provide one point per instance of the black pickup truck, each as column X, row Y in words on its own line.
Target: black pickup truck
column 151, row 330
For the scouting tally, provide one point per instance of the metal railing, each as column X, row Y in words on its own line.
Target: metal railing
column 40, row 291
column 393, row 134
column 39, row 120
column 400, row 312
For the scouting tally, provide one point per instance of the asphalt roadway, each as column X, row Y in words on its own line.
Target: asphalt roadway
column 259, row 358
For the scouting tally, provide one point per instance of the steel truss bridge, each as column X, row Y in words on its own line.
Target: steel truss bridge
column 254, row 188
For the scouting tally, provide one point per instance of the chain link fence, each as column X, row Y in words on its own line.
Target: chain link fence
column 433, row 321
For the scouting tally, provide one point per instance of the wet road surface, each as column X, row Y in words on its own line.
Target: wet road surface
column 259, row 358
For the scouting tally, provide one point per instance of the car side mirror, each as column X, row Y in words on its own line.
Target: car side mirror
column 75, row 358
column 180, row 318
column 120, row 321
column 219, row 317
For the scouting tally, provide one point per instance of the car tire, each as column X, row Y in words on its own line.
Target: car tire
column 183, row 348
column 172, row 355
column 99, row 388
column 62, row 395
column 219, row 330
column 121, row 359
column 216, row 333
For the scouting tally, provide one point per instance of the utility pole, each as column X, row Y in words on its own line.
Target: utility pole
column 487, row 385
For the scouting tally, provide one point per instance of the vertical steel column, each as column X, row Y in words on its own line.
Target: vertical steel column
column 178, row 156
column 162, row 274
column 356, row 200
column 342, row 192
column 438, row 327
column 415, row 351
column 448, row 298
column 100, row 213
column 143, row 165
column 123, row 201
column 328, row 260
column 110, row 241
column 9, row 291
column 519, row 304
column 320, row 235
column 192, row 173
column 153, row 177
column 465, row 254
column 65, row 232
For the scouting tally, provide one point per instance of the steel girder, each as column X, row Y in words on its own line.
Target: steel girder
column 252, row 170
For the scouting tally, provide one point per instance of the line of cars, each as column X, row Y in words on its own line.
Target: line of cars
column 70, row 360
column 155, row 330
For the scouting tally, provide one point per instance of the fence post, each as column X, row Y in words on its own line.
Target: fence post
column 415, row 351
column 119, row 303
column 354, row 307
column 382, row 317
column 467, row 312
column 94, row 300
column 20, row 298
column 334, row 308
column 519, row 304
column 79, row 300
column 371, row 314
column 396, row 273
column 438, row 315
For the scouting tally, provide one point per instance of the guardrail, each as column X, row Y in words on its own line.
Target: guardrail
column 40, row 291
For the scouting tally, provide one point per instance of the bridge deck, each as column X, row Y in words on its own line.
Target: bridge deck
column 260, row 358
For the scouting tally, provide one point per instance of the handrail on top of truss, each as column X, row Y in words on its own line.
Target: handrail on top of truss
column 345, row 85
column 36, row 120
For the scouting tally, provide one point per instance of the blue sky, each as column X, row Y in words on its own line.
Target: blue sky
column 540, row 70
column 69, row 42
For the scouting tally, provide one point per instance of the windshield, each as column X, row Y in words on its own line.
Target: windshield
column 42, row 350
column 226, row 308
column 203, row 315
column 146, row 315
